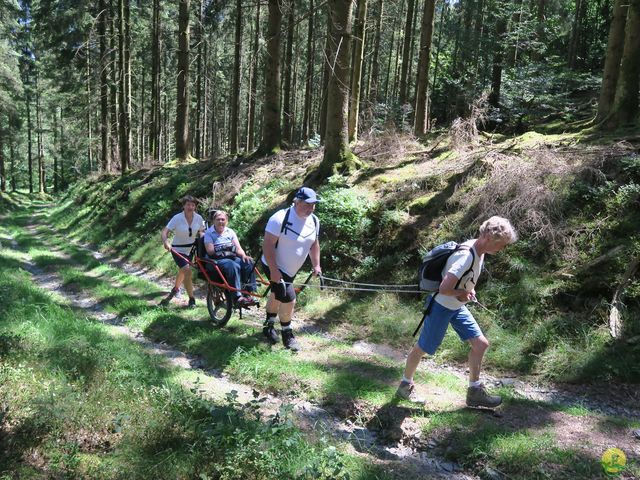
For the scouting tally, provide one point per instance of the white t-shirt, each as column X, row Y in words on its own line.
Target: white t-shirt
column 457, row 264
column 180, row 228
column 295, row 241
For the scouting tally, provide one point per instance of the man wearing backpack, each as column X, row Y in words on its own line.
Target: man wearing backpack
column 290, row 236
column 447, row 306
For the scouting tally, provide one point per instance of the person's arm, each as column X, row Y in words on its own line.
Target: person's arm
column 165, row 239
column 269, row 249
column 240, row 252
column 448, row 288
column 314, row 255
column 208, row 244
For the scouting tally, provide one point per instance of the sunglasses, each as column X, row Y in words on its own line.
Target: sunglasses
column 190, row 232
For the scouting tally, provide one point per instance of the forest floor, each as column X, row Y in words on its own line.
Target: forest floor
column 542, row 430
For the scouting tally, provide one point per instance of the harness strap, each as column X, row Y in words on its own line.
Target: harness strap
column 426, row 312
column 184, row 245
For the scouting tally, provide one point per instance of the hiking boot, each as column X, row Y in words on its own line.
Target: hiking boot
column 165, row 301
column 270, row 333
column 407, row 391
column 289, row 340
column 478, row 397
column 192, row 303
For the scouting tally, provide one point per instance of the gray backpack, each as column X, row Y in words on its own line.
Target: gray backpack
column 430, row 272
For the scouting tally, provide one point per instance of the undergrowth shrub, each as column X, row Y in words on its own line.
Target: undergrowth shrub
column 345, row 223
column 252, row 201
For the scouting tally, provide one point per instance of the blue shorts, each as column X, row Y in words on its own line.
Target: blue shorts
column 180, row 261
column 436, row 323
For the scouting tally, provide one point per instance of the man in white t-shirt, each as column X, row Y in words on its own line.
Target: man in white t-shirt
column 447, row 307
column 290, row 236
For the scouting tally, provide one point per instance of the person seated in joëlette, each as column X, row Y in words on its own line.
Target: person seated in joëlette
column 223, row 246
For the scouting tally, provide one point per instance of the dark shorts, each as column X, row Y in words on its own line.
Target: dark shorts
column 283, row 291
column 180, row 261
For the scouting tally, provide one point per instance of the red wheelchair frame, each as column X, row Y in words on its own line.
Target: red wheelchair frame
column 220, row 301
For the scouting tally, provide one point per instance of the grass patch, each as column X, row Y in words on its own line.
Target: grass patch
column 87, row 404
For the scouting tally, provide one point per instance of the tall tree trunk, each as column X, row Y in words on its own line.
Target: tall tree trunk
column 356, row 74
column 42, row 188
column 373, row 87
column 326, row 72
column 271, row 133
column 337, row 155
column 104, row 92
column 205, row 101
column 625, row 103
column 124, row 90
column 398, row 65
column 402, row 95
column 514, row 26
column 387, row 81
column 199, row 34
column 478, row 31
column 422, row 83
column 615, row 45
column 411, row 50
column 154, row 127
column 12, row 168
column 63, row 180
column 576, row 28
column 3, row 176
column 235, row 97
column 287, row 112
column 254, row 82
column 113, row 87
column 89, row 107
column 294, row 95
column 56, row 154
column 29, row 140
column 498, row 58
column 443, row 17
column 541, row 6
column 306, row 117
column 142, row 133
column 183, row 140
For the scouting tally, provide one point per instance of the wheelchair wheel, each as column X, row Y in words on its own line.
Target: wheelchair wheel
column 220, row 305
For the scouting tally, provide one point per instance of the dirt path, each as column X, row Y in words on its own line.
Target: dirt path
column 392, row 436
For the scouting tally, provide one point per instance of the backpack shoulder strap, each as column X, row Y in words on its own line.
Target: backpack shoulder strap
column 285, row 222
column 285, row 225
column 473, row 259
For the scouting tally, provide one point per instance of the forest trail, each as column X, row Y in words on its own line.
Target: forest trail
column 579, row 417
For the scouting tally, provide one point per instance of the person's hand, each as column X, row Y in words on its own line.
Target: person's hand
column 466, row 297
column 247, row 259
column 167, row 245
column 317, row 271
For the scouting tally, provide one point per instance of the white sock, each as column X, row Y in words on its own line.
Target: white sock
column 475, row 384
column 407, row 380
column 286, row 327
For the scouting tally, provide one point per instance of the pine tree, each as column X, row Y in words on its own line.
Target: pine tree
column 271, row 133
column 337, row 155
column 183, row 139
